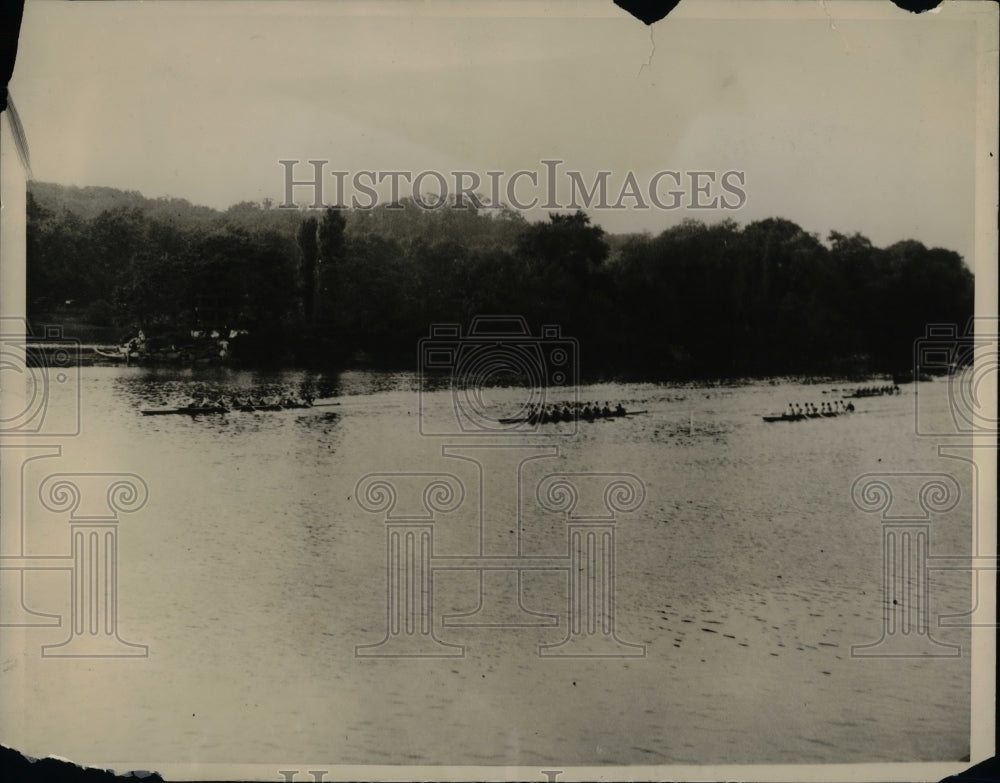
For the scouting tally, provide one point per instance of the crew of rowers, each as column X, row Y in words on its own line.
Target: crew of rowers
column 577, row 410
column 875, row 391
column 254, row 402
column 796, row 411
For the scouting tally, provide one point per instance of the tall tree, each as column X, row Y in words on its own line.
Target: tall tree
column 331, row 236
column 308, row 240
column 331, row 250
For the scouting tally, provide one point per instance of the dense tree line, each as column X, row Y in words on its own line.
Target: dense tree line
column 335, row 286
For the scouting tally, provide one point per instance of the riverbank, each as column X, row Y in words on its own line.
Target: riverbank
column 51, row 353
column 290, row 350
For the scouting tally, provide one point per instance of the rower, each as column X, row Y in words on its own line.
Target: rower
column 619, row 410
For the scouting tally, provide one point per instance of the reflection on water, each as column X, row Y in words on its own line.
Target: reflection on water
column 252, row 574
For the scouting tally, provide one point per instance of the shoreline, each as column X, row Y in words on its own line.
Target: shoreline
column 55, row 353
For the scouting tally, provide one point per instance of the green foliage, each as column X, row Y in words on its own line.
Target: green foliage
column 330, row 236
column 693, row 300
column 100, row 313
column 308, row 254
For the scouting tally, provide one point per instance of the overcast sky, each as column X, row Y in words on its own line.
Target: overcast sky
column 861, row 125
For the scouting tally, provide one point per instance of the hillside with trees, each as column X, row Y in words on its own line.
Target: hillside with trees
column 329, row 288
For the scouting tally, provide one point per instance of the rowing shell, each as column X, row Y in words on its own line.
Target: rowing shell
column 116, row 354
column 189, row 411
column 526, row 419
column 198, row 410
column 803, row 416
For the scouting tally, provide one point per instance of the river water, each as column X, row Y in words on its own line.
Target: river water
column 252, row 574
